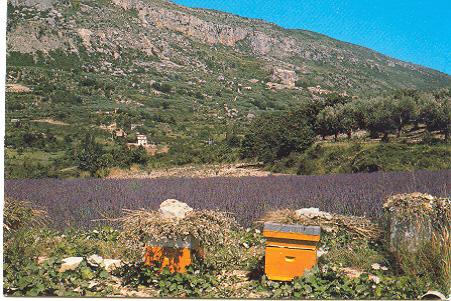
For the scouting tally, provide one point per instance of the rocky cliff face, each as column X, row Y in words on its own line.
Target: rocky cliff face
column 228, row 33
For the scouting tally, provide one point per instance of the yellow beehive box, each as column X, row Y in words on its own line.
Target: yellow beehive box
column 174, row 255
column 289, row 250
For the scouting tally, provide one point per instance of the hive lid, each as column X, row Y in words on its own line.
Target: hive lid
column 310, row 230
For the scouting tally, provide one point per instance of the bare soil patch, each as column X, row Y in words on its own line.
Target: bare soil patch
column 205, row 171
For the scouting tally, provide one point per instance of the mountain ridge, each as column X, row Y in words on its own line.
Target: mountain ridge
column 269, row 41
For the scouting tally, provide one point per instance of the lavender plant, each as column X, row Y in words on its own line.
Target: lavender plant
column 87, row 203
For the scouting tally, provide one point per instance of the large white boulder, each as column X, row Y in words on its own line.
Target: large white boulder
column 174, row 208
column 70, row 264
column 313, row 212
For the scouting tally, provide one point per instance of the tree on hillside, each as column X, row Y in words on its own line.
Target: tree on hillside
column 336, row 99
column 139, row 155
column 91, row 156
column 340, row 118
column 327, row 122
column 379, row 117
column 121, row 155
column 275, row 135
column 436, row 112
column 348, row 117
column 405, row 110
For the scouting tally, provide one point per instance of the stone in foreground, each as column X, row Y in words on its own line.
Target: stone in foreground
column 70, row 264
column 174, row 208
column 95, row 260
column 313, row 212
column 112, row 264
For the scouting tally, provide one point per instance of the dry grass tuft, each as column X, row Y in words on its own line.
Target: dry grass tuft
column 360, row 226
column 413, row 205
column 441, row 244
column 18, row 214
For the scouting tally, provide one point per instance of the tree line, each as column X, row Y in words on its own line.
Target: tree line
column 275, row 135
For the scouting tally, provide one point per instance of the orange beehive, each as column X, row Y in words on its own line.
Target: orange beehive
column 174, row 255
column 290, row 250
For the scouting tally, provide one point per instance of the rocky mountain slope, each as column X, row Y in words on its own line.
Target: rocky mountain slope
column 163, row 36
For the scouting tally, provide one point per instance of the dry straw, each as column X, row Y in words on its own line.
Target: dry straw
column 215, row 231
column 207, row 226
column 412, row 205
column 18, row 214
column 441, row 245
column 360, row 226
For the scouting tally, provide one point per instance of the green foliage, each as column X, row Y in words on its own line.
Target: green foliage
column 379, row 116
column 23, row 276
column 34, row 280
column 91, row 156
column 398, row 157
column 328, row 122
column 327, row 283
column 105, row 233
column 165, row 87
column 436, row 112
column 342, row 249
column 97, row 159
column 324, row 158
column 20, row 59
column 274, row 136
column 75, row 4
column 198, row 281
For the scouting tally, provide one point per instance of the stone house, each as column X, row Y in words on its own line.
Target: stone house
column 141, row 140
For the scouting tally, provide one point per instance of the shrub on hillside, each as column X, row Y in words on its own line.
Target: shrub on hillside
column 276, row 135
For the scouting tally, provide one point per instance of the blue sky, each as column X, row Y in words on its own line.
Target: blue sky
column 417, row 31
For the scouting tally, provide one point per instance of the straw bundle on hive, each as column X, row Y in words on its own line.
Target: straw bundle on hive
column 207, row 226
column 360, row 226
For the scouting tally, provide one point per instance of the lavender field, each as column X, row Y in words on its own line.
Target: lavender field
column 81, row 202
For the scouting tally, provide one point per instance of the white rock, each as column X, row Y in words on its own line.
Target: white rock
column 95, row 260
column 434, row 295
column 111, row 264
column 174, row 208
column 70, row 264
column 375, row 279
column 376, row 266
column 307, row 211
column 92, row 284
column 313, row 212
column 320, row 252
